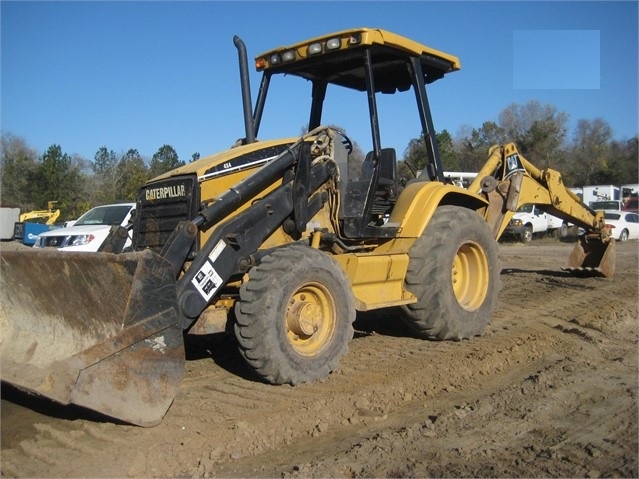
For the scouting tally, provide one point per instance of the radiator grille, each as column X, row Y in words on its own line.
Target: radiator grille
column 160, row 207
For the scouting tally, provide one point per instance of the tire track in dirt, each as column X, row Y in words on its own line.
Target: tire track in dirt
column 361, row 395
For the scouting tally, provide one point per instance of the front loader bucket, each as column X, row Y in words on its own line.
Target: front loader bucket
column 593, row 256
column 94, row 329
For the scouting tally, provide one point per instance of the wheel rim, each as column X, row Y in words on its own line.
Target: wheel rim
column 310, row 319
column 470, row 276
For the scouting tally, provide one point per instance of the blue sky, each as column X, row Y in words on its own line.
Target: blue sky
column 143, row 74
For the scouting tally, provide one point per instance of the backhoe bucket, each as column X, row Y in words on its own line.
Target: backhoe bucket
column 593, row 256
column 97, row 330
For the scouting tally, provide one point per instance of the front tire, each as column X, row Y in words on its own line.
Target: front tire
column 295, row 316
column 454, row 272
column 527, row 235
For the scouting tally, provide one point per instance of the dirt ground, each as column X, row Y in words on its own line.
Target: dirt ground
column 550, row 390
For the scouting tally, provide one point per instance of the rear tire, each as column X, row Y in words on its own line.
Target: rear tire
column 295, row 316
column 454, row 272
column 623, row 236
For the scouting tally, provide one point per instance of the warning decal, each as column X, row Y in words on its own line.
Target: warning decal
column 207, row 281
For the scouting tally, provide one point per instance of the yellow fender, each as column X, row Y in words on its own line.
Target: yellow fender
column 418, row 201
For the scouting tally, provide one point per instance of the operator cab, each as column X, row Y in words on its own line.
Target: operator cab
column 371, row 61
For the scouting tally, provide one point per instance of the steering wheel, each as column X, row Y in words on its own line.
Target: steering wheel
column 346, row 141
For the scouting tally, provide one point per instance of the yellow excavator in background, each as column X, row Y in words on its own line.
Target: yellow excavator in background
column 48, row 216
column 282, row 242
column 32, row 223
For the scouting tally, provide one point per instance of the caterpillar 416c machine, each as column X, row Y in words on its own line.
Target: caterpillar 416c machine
column 281, row 242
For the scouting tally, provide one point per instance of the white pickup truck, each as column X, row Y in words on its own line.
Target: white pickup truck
column 529, row 221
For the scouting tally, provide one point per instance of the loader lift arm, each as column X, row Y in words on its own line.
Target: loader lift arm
column 230, row 249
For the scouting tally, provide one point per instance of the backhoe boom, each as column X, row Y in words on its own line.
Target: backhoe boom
column 509, row 181
column 517, row 182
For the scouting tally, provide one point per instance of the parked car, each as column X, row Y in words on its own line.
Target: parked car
column 89, row 231
column 625, row 224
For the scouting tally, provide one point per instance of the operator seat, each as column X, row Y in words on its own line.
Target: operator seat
column 384, row 191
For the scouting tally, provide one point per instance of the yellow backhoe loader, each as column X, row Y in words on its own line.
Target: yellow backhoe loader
column 282, row 243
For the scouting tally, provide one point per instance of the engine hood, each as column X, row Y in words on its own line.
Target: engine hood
column 232, row 160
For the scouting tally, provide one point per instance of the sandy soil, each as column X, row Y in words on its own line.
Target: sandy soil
column 550, row 390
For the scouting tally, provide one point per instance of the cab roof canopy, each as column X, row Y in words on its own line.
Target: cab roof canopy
column 338, row 59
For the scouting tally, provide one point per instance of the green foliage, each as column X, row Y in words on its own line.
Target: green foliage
column 540, row 133
column 538, row 130
column 17, row 164
column 104, row 162
column 55, row 178
column 134, row 173
column 590, row 152
column 416, row 156
column 119, row 179
column 105, row 167
column 473, row 149
column 623, row 161
column 415, row 153
column 165, row 159
column 447, row 151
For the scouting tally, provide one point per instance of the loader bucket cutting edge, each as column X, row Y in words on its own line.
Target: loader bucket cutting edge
column 592, row 256
column 97, row 330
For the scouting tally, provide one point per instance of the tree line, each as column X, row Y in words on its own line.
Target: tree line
column 589, row 156
column 30, row 181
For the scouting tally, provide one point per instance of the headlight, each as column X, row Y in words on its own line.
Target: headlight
column 333, row 44
column 288, row 56
column 80, row 240
column 314, row 48
column 517, row 223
